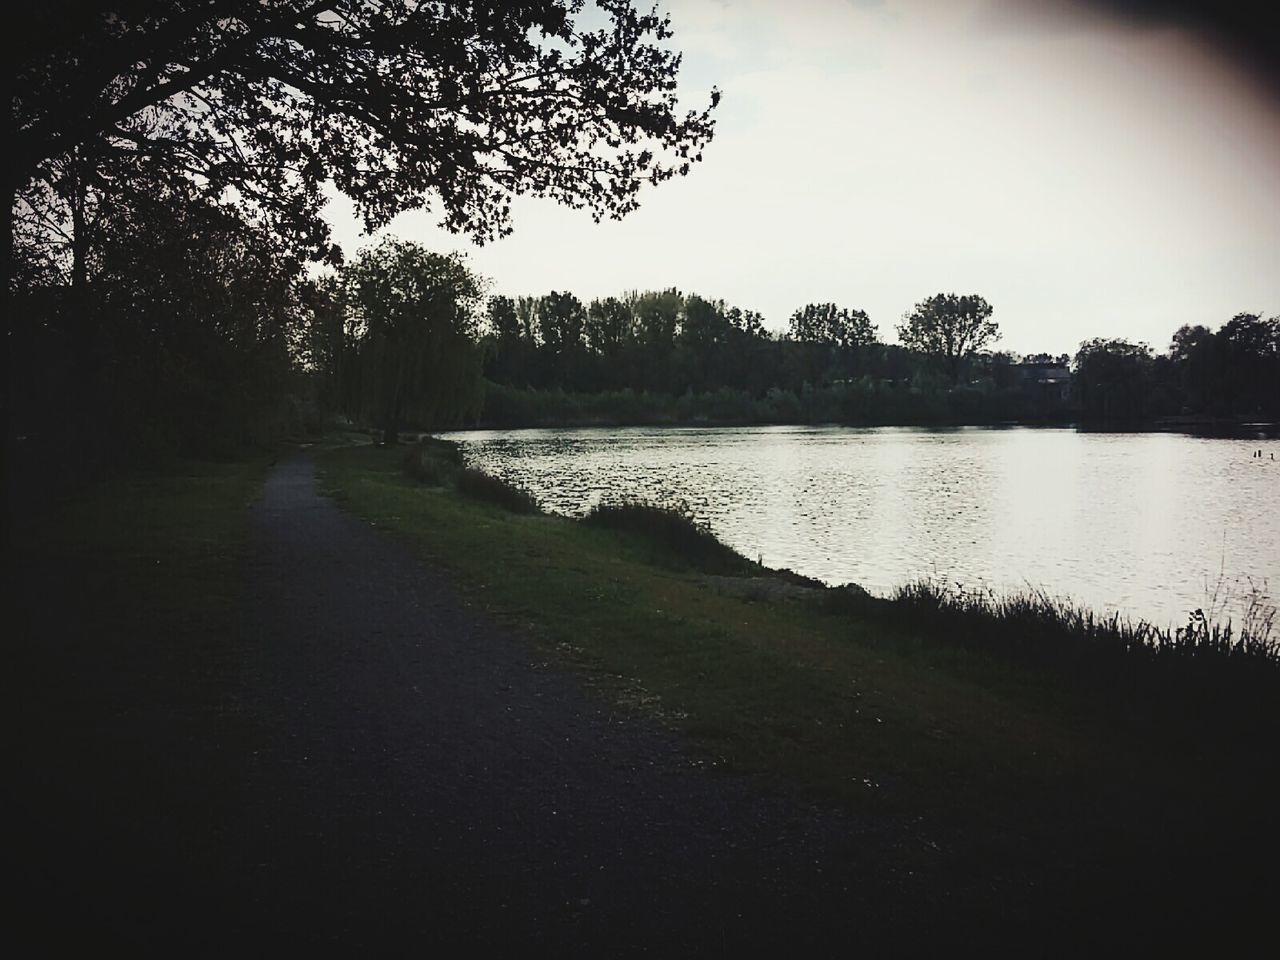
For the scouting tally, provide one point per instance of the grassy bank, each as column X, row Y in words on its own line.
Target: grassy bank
column 862, row 702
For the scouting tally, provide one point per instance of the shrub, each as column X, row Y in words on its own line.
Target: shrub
column 483, row 486
column 432, row 461
column 674, row 529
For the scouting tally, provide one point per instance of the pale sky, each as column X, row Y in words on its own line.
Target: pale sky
column 1089, row 177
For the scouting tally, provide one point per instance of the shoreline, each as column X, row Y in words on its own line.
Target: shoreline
column 1211, row 429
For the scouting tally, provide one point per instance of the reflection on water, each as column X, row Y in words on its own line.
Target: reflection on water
column 1142, row 523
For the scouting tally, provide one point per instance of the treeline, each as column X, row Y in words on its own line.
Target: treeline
column 1231, row 373
column 664, row 357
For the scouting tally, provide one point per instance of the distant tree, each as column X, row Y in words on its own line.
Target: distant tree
column 331, row 345
column 829, row 338
column 827, row 324
column 1112, row 379
column 500, row 314
column 562, row 321
column 1250, row 349
column 416, row 312
column 508, row 343
column 950, row 328
column 608, row 326
column 1197, row 367
column 657, row 317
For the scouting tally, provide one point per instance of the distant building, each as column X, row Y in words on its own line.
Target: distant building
column 1048, row 379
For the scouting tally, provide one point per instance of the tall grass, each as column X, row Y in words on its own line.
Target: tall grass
column 479, row 485
column 1208, row 673
column 1017, row 624
column 674, row 530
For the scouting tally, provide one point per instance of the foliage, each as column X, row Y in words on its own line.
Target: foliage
column 949, row 327
column 415, row 315
column 168, row 160
column 185, row 344
column 827, row 324
column 1112, row 379
column 401, row 105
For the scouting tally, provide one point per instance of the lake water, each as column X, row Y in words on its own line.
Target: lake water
column 1148, row 524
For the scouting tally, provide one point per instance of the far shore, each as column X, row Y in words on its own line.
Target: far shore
column 1227, row 428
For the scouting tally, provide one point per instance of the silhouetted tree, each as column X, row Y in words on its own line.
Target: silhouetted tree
column 509, row 345
column 331, row 349
column 1112, row 379
column 1250, row 349
column 416, row 315
column 609, row 327
column 657, row 318
column 950, row 328
column 1197, row 367
column 829, row 338
column 252, row 105
column 399, row 103
column 562, row 321
column 199, row 311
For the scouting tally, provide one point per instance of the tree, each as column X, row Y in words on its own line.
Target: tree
column 1250, row 348
column 829, row 338
column 608, row 327
column 1112, row 379
column 416, row 314
column 657, row 317
column 832, row 326
column 562, row 320
column 401, row 103
column 950, row 328
column 508, row 344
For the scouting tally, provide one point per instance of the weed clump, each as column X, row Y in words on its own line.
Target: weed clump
column 674, row 530
column 484, row 486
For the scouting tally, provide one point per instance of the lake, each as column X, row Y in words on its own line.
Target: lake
column 1149, row 524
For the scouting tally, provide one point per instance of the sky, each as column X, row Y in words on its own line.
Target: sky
column 1091, row 173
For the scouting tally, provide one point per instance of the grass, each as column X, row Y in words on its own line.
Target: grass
column 127, row 653
column 128, row 601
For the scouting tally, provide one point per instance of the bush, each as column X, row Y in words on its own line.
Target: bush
column 483, row 486
column 432, row 461
column 675, row 530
